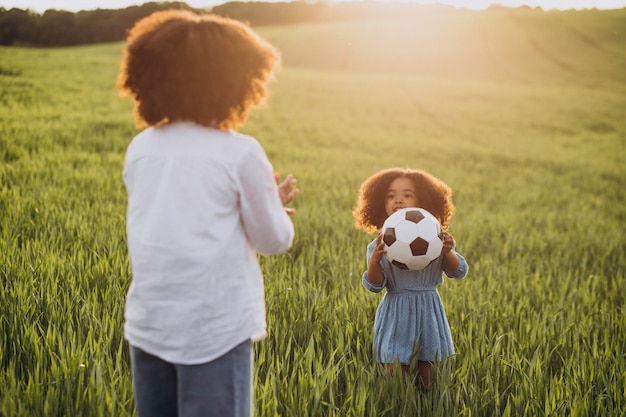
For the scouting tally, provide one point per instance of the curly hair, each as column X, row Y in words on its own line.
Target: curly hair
column 206, row 69
column 433, row 195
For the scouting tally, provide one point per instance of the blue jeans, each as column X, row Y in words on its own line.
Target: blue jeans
column 220, row 388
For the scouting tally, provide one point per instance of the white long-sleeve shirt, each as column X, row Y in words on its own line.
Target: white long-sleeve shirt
column 201, row 204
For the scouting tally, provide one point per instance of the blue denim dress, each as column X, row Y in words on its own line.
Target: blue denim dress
column 410, row 318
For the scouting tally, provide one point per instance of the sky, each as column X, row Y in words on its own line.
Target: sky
column 40, row 6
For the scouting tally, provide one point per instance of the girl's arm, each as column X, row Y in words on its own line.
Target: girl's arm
column 374, row 273
column 450, row 261
column 373, row 279
column 454, row 265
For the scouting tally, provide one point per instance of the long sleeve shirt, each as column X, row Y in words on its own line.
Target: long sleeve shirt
column 201, row 204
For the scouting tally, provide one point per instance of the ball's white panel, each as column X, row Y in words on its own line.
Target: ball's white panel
column 427, row 229
column 418, row 262
column 399, row 251
column 407, row 231
column 394, row 219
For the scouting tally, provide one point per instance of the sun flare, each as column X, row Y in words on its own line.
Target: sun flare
column 544, row 4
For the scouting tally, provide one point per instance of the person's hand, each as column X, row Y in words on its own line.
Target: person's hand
column 374, row 272
column 448, row 243
column 450, row 260
column 379, row 249
column 287, row 190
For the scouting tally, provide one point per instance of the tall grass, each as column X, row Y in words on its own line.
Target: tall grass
column 536, row 163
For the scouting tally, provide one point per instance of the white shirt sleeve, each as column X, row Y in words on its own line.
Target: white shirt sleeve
column 267, row 226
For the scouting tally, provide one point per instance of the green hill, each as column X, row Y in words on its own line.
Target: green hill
column 505, row 44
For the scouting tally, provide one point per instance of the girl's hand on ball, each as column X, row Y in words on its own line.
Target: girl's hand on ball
column 379, row 249
column 448, row 243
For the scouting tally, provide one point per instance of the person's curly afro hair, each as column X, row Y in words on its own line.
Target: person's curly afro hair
column 433, row 195
column 206, row 69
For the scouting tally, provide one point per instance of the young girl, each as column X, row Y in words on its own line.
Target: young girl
column 202, row 202
column 410, row 319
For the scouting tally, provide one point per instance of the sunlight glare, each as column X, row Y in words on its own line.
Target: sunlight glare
column 544, row 4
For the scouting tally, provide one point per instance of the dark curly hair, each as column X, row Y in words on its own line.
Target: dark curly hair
column 433, row 194
column 206, row 69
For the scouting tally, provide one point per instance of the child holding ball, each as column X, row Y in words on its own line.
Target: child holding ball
column 410, row 319
column 202, row 202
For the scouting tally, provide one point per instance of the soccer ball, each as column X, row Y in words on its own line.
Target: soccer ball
column 413, row 238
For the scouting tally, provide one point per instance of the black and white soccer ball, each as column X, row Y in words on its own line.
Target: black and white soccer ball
column 413, row 238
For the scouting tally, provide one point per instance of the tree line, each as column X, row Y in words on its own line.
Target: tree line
column 62, row 28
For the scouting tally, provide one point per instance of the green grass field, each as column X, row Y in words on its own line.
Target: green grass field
column 521, row 113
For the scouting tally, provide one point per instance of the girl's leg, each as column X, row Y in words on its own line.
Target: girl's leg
column 424, row 374
column 220, row 388
column 154, row 385
column 391, row 368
